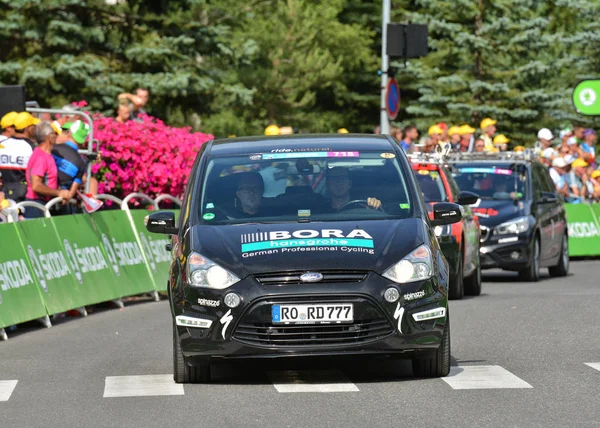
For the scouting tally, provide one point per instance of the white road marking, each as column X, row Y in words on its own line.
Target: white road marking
column 141, row 386
column 6, row 389
column 311, row 381
column 483, row 377
column 594, row 365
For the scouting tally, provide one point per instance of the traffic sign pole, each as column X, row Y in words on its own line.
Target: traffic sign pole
column 384, row 122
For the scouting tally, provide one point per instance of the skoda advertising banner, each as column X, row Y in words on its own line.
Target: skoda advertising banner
column 88, row 262
column 20, row 298
column 124, row 254
column 584, row 232
column 58, row 287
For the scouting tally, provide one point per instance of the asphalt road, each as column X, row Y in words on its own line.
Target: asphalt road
column 523, row 353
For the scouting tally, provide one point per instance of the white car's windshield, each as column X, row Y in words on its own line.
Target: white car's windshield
column 304, row 186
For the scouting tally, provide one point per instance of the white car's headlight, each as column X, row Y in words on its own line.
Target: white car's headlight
column 203, row 272
column 417, row 266
column 515, row 226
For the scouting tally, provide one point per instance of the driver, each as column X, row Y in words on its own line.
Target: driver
column 338, row 188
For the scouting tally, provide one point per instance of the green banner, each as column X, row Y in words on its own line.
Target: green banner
column 158, row 258
column 123, row 251
column 586, row 97
column 87, row 260
column 20, row 299
column 584, row 232
column 48, row 260
column 596, row 213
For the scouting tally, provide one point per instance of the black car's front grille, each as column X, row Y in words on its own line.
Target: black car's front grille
column 310, row 335
column 256, row 328
column 329, row 276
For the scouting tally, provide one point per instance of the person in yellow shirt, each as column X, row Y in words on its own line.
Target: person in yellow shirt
column 488, row 129
column 466, row 136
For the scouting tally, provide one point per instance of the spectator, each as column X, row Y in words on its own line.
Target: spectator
column 427, row 145
column 70, row 164
column 577, row 177
column 24, row 127
column 488, row 129
column 8, row 125
column 578, row 131
column 42, row 174
column 410, row 136
column 67, row 117
column 466, row 135
column 124, row 111
column 139, row 101
column 544, row 144
column 14, row 156
column 595, row 178
column 479, row 145
column 557, row 172
column 444, row 137
column 396, row 133
column 454, row 134
column 435, row 135
column 500, row 143
column 588, row 146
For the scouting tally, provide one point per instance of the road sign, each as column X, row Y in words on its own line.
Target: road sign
column 586, row 97
column 392, row 99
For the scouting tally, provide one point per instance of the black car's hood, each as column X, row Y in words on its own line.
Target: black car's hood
column 362, row 245
column 491, row 213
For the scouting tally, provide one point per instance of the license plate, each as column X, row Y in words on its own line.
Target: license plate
column 312, row 314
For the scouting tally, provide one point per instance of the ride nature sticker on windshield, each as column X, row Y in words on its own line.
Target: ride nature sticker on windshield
column 502, row 171
column 306, row 240
column 296, row 155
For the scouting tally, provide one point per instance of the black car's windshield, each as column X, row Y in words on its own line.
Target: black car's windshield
column 304, row 187
column 431, row 185
column 492, row 182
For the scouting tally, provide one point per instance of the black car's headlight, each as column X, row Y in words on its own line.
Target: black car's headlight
column 203, row 272
column 417, row 266
column 518, row 225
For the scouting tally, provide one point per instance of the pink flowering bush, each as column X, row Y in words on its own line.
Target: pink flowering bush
column 148, row 157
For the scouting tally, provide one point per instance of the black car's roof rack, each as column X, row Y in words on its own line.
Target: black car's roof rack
column 525, row 156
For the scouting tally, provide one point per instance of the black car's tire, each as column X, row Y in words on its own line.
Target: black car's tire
column 183, row 372
column 473, row 283
column 532, row 272
column 457, row 290
column 562, row 268
column 435, row 364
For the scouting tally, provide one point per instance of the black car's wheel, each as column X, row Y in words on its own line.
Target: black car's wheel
column 457, row 289
column 435, row 364
column 473, row 283
column 183, row 372
column 562, row 268
column 532, row 272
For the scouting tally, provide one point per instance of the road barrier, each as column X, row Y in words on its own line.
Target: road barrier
column 52, row 265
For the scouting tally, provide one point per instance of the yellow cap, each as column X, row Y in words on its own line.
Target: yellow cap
column 487, row 122
column 453, row 130
column 25, row 119
column 272, row 130
column 55, row 125
column 435, row 130
column 343, row 131
column 596, row 174
column 579, row 163
column 8, row 119
column 501, row 139
column 465, row 129
column 519, row 149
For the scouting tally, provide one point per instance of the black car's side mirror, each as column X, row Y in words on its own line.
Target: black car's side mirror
column 548, row 198
column 161, row 222
column 446, row 213
column 467, row 198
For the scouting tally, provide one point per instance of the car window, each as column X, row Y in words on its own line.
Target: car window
column 431, row 184
column 302, row 187
column 547, row 183
column 492, row 182
column 537, row 181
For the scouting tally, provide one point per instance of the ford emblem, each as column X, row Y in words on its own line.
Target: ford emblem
column 311, row 277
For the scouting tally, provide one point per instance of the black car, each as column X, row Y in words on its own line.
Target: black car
column 523, row 220
column 306, row 245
